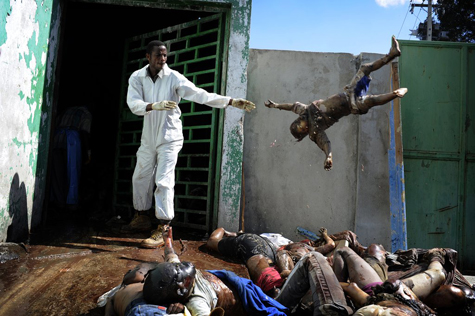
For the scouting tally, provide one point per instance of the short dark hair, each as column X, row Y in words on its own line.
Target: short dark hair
column 296, row 130
column 152, row 44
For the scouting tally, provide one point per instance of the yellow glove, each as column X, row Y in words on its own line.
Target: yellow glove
column 243, row 104
column 164, row 105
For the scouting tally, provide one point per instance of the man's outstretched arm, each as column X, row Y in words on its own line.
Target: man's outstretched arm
column 322, row 141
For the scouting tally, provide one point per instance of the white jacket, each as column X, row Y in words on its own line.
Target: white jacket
column 165, row 126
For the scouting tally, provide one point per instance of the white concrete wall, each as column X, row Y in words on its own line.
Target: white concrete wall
column 285, row 183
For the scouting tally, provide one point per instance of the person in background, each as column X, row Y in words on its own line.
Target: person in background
column 71, row 147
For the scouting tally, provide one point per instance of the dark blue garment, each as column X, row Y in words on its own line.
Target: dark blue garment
column 69, row 140
column 255, row 302
column 139, row 307
column 362, row 86
column 74, row 165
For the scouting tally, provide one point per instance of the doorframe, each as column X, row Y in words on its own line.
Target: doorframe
column 234, row 77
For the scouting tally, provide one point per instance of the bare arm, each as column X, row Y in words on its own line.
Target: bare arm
column 329, row 243
column 322, row 141
column 280, row 106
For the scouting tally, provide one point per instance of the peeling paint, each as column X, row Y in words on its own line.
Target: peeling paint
column 27, row 61
column 23, row 45
column 233, row 140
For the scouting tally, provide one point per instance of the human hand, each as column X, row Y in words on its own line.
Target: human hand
column 164, row 105
column 243, row 104
column 328, row 164
column 322, row 232
column 270, row 104
column 175, row 308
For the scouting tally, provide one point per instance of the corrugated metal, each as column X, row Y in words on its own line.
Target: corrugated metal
column 439, row 145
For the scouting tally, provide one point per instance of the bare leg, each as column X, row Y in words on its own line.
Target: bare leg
column 366, row 69
column 348, row 265
column 393, row 53
column 423, row 284
column 448, row 296
column 357, row 295
column 366, row 103
column 256, row 264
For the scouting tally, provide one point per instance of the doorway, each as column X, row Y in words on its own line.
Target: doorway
column 90, row 69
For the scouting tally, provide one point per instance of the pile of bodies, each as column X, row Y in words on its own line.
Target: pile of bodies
column 334, row 275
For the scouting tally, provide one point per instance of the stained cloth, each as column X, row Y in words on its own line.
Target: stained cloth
column 139, row 307
column 253, row 299
column 362, row 86
column 269, row 279
column 244, row 246
column 368, row 288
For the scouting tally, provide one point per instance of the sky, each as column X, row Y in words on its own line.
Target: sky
column 336, row 26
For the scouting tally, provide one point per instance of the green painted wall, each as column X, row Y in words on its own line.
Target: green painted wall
column 25, row 62
column 29, row 41
column 439, row 145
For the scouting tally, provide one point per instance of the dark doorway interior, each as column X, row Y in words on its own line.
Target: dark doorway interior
column 89, row 72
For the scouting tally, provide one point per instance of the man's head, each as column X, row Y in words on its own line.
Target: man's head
column 156, row 54
column 299, row 127
column 169, row 283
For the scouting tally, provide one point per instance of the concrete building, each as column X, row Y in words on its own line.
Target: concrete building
column 56, row 53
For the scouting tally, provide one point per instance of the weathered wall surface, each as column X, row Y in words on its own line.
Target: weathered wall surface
column 233, row 137
column 285, row 183
column 24, row 38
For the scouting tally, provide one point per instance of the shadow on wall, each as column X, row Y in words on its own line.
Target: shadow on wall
column 18, row 211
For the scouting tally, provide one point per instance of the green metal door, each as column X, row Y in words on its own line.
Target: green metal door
column 195, row 50
column 439, row 145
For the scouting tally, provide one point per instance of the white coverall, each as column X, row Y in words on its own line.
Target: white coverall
column 162, row 136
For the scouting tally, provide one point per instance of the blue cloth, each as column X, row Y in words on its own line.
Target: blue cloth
column 362, row 86
column 139, row 307
column 74, row 165
column 255, row 302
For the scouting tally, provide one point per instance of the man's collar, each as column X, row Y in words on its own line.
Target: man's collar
column 164, row 72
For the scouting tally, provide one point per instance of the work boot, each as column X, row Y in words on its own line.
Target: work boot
column 156, row 240
column 140, row 223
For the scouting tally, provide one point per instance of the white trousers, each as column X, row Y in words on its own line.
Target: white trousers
column 156, row 166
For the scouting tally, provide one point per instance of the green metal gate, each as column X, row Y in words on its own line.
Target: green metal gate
column 195, row 49
column 439, row 145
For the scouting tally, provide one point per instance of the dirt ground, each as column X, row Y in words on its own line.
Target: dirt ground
column 65, row 267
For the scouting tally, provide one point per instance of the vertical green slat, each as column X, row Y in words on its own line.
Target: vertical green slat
column 463, row 149
column 223, row 25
